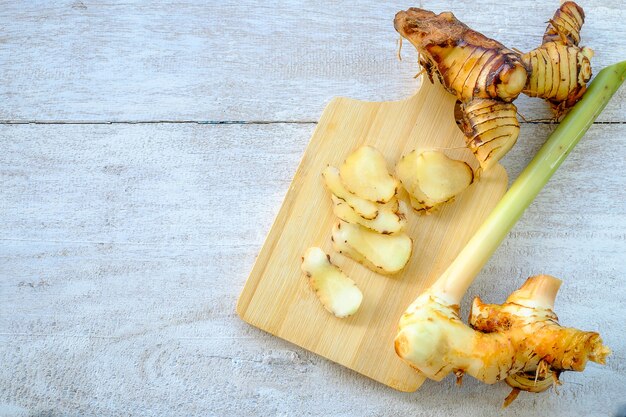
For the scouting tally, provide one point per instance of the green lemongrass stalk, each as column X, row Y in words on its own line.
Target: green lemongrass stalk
column 452, row 285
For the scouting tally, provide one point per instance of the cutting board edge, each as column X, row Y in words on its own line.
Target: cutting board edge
column 398, row 387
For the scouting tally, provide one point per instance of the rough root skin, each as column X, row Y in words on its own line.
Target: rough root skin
column 472, row 67
column 467, row 63
column 533, row 327
column 565, row 25
column 490, row 128
column 519, row 341
column 559, row 69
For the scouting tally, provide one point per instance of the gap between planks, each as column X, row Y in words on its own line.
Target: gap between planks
column 221, row 122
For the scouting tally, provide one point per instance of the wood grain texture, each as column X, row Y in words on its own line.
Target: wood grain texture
column 241, row 60
column 277, row 298
column 123, row 248
column 120, row 268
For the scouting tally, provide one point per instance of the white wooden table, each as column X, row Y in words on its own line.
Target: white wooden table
column 144, row 152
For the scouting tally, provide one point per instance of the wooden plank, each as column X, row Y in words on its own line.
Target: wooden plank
column 120, row 268
column 234, row 60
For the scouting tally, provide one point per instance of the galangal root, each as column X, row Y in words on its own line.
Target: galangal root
column 337, row 293
column 370, row 229
column 485, row 76
column 520, row 341
column 386, row 254
column 559, row 69
column 479, row 71
column 371, row 217
column 431, row 178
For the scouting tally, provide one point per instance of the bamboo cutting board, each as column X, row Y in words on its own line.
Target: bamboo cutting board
column 276, row 296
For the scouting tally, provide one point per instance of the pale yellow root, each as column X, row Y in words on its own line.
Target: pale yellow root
column 431, row 178
column 519, row 341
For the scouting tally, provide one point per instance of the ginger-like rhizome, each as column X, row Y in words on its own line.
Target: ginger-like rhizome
column 482, row 73
column 486, row 77
column 559, row 69
column 520, row 341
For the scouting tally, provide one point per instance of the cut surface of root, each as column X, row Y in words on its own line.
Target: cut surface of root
column 337, row 293
column 385, row 254
column 431, row 178
column 391, row 216
column 365, row 174
column 364, row 208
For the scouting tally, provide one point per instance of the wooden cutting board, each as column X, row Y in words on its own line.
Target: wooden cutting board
column 277, row 297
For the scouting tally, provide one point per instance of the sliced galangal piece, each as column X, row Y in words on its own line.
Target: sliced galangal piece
column 337, row 293
column 391, row 216
column 385, row 254
column 364, row 208
column 365, row 174
column 431, row 178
